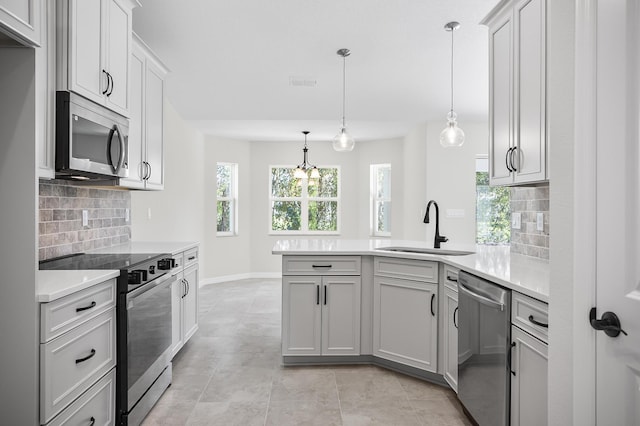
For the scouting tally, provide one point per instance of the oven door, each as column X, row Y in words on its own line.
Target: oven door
column 148, row 335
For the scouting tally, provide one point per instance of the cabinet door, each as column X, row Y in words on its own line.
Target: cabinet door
column 451, row 338
column 137, row 168
column 178, row 289
column 530, row 71
column 529, row 384
column 45, row 92
column 500, row 101
column 341, row 315
column 301, row 324
column 22, row 20
column 118, row 49
column 405, row 322
column 190, row 301
column 86, row 62
column 154, row 121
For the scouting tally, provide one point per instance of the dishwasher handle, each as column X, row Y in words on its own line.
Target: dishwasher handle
column 480, row 298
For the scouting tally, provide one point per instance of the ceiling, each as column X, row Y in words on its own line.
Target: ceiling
column 232, row 62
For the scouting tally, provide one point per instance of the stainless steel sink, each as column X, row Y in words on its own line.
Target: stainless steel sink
column 443, row 252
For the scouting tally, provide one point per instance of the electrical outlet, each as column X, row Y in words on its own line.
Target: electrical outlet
column 516, row 220
column 126, row 215
column 85, row 217
column 455, row 213
column 149, row 213
column 540, row 221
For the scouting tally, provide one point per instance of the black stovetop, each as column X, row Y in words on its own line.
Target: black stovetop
column 121, row 261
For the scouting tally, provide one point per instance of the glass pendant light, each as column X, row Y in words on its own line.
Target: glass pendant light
column 343, row 140
column 301, row 171
column 452, row 135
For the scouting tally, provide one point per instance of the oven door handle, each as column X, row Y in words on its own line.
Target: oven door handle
column 147, row 287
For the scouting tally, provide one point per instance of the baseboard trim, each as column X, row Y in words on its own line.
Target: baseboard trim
column 237, row 277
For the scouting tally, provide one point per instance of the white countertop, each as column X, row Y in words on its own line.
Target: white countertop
column 53, row 285
column 526, row 275
column 169, row 247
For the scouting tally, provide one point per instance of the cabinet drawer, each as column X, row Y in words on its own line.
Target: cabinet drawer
column 71, row 363
column 62, row 315
column 94, row 407
column 451, row 277
column 190, row 257
column 325, row 265
column 525, row 311
column 415, row 270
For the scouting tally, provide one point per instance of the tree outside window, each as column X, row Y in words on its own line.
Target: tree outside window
column 493, row 209
column 226, row 199
column 305, row 206
column 380, row 200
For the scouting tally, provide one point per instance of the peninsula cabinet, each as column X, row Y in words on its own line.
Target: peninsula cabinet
column 321, row 310
column 450, row 333
column 405, row 317
column 20, row 19
column 517, row 92
column 184, row 298
column 146, row 142
column 94, row 49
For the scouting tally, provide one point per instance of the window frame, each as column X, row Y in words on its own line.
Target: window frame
column 304, row 203
column 482, row 166
column 232, row 199
column 374, row 199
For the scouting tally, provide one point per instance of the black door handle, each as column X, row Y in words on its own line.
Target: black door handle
column 515, row 169
column 321, row 266
column 541, row 324
column 325, row 294
column 433, row 296
column 112, row 84
column 92, row 421
column 84, row 308
column 317, row 294
column 507, row 157
column 513, row 345
column 104, row 92
column 455, row 311
column 609, row 323
column 93, row 352
column 452, row 279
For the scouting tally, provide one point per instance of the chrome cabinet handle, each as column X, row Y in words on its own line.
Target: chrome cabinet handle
column 91, row 355
column 123, row 149
column 84, row 308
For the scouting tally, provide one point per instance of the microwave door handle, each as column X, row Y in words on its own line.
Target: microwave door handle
column 122, row 149
column 114, row 168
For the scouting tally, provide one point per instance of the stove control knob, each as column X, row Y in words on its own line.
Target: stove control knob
column 166, row 264
column 137, row 277
column 152, row 269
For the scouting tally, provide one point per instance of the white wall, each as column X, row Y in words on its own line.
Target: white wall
column 414, row 172
column 227, row 255
column 177, row 212
column 19, row 324
column 451, row 180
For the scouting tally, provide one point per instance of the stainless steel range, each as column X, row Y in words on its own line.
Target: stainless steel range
column 143, row 312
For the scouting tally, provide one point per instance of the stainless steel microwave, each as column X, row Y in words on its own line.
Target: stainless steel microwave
column 92, row 142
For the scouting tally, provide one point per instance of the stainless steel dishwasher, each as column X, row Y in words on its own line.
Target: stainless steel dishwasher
column 484, row 343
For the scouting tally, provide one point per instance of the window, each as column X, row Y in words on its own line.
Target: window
column 227, row 199
column 381, row 200
column 305, row 206
column 493, row 210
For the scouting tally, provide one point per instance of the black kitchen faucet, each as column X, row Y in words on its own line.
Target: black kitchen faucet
column 438, row 238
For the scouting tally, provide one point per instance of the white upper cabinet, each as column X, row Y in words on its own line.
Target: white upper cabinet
column 20, row 19
column 146, row 136
column 94, row 45
column 517, row 92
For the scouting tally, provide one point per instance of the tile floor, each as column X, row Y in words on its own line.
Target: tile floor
column 230, row 374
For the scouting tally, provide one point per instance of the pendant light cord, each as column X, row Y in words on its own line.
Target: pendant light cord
column 452, row 69
column 344, row 87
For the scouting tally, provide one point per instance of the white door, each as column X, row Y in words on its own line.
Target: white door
column 341, row 315
column 154, row 126
column 301, row 324
column 190, row 311
column 137, row 169
column 22, row 19
column 177, row 293
column 451, row 338
column 618, row 211
column 117, row 52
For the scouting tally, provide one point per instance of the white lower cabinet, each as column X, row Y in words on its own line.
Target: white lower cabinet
column 78, row 357
column 405, row 322
column 450, row 343
column 321, row 315
column 529, row 367
column 184, row 299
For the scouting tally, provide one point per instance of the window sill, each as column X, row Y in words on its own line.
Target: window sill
column 226, row 234
column 304, row 234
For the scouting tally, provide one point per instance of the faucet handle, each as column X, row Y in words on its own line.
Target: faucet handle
column 442, row 239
